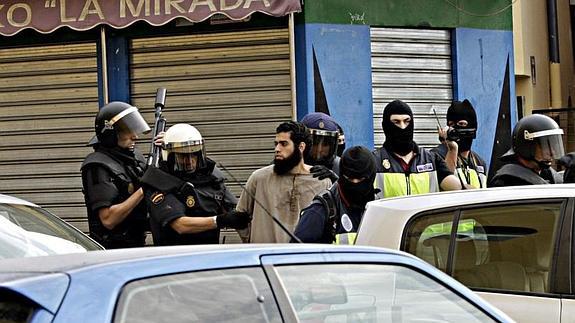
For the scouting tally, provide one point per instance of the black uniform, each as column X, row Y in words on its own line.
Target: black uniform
column 326, row 217
column 211, row 198
column 109, row 177
column 515, row 174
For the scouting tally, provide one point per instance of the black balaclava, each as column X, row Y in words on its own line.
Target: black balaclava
column 357, row 162
column 463, row 111
column 397, row 140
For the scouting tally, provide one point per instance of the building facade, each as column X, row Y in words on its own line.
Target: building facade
column 236, row 69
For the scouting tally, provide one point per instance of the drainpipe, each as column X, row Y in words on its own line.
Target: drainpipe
column 554, row 64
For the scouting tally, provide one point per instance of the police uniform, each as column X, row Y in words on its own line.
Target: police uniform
column 424, row 174
column 471, row 170
column 328, row 220
column 109, row 177
column 210, row 198
column 515, row 174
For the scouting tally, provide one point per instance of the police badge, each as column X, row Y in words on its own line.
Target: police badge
column 190, row 201
column 386, row 164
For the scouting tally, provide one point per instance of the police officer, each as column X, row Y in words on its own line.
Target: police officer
column 536, row 142
column 469, row 167
column 322, row 154
column 190, row 202
column 402, row 167
column 335, row 214
column 110, row 178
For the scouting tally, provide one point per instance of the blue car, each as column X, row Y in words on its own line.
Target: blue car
column 235, row 283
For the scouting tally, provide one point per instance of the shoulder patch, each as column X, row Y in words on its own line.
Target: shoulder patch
column 157, row 198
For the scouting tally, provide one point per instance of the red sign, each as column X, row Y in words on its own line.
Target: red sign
column 47, row 15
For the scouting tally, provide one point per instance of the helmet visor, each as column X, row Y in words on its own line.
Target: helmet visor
column 324, row 145
column 130, row 120
column 549, row 148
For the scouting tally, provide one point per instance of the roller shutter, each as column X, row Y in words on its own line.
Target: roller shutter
column 412, row 65
column 233, row 86
column 49, row 97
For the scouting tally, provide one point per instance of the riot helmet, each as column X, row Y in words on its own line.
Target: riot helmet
column 537, row 138
column 183, row 149
column 115, row 118
column 324, row 135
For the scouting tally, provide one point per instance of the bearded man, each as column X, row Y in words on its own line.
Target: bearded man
column 283, row 189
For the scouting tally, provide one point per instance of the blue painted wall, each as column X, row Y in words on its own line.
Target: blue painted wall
column 480, row 61
column 343, row 54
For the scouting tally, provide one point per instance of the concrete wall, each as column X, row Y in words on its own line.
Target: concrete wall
column 531, row 39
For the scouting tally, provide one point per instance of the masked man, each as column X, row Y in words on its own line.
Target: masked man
column 468, row 166
column 402, row 167
column 334, row 215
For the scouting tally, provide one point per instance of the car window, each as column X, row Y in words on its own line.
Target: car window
column 42, row 226
column 506, row 247
column 230, row 295
column 372, row 293
column 428, row 238
column 516, row 244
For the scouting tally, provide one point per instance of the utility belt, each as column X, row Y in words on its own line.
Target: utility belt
column 118, row 239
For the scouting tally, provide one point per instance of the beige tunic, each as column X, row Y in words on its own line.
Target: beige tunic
column 283, row 196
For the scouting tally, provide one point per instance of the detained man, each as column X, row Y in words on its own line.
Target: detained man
column 282, row 189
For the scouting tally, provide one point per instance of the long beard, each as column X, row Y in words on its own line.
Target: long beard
column 283, row 166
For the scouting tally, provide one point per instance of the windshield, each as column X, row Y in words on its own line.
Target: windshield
column 27, row 231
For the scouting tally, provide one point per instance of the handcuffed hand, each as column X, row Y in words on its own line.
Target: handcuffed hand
column 323, row 172
column 234, row 220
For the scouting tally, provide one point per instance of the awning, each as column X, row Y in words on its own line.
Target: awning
column 46, row 16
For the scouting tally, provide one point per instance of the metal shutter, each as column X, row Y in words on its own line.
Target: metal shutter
column 49, row 97
column 412, row 65
column 234, row 87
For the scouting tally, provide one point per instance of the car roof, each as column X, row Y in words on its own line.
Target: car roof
column 69, row 262
column 7, row 199
column 421, row 202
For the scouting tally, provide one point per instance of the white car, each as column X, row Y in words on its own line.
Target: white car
column 27, row 230
column 514, row 246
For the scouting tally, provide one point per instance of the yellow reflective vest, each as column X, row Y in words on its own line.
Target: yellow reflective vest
column 393, row 181
column 471, row 170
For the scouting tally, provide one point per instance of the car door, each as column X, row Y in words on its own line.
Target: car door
column 217, row 295
column 507, row 252
column 363, row 287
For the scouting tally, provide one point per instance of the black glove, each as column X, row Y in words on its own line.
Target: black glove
column 568, row 161
column 234, row 220
column 323, row 172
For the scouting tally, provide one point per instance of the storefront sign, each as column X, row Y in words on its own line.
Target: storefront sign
column 47, row 15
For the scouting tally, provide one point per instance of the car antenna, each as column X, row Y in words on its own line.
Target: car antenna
column 276, row 220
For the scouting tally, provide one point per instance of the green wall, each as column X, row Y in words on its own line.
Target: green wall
column 480, row 14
